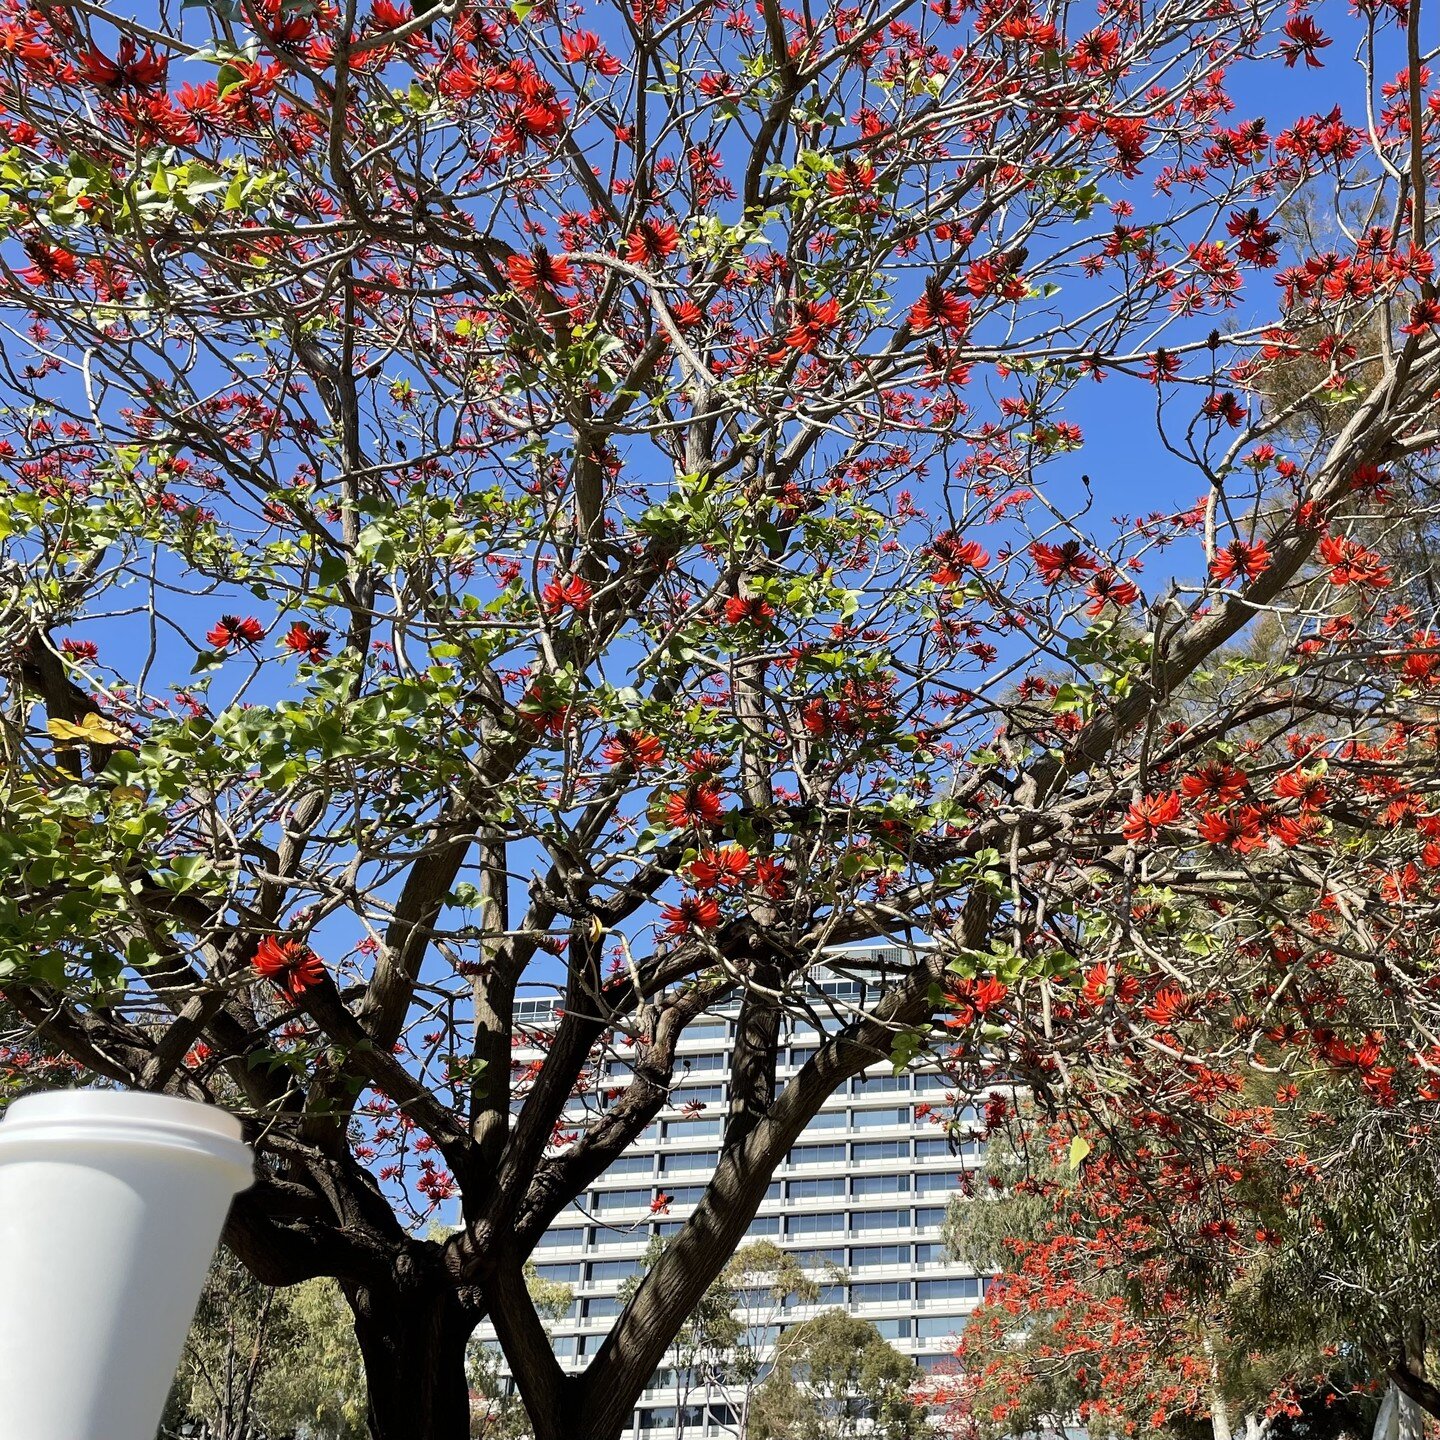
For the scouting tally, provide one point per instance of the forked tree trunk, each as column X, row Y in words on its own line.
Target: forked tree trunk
column 413, row 1344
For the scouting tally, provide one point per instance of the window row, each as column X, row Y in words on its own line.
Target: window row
column 906, row 1327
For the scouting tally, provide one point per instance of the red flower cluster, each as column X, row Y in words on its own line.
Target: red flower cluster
column 235, row 630
column 290, row 964
column 304, row 640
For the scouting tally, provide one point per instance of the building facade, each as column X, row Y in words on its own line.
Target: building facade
column 860, row 1201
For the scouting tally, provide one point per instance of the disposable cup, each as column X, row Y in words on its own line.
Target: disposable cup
column 111, row 1205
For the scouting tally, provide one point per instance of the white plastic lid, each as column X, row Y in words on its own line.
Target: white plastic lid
column 75, row 1118
column 121, row 1107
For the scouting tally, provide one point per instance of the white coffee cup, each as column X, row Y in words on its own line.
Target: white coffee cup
column 111, row 1205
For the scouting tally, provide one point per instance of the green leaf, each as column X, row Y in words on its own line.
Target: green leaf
column 1079, row 1149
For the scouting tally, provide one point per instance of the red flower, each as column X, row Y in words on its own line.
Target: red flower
column 633, row 749
column 290, row 964
column 303, row 640
column 811, row 324
column 1062, row 562
column 1304, row 39
column 1352, row 564
column 970, row 999
column 698, row 805
column 1424, row 315
column 131, row 69
column 1240, row 557
column 939, row 308
column 650, row 241
column 748, row 610
column 1233, row 829
column 1214, row 783
column 233, row 630
column 727, row 866
column 49, row 265
column 573, row 594
column 1168, row 1006
column 389, row 16
column 772, row 878
column 1107, row 588
column 660, row 1205
column 694, row 912
column 583, row 48
column 1146, row 818
column 80, row 649
column 539, row 268
column 956, row 555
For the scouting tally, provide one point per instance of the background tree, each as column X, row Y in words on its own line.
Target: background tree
column 504, row 498
column 723, row 1349
column 266, row 1364
column 835, row 1376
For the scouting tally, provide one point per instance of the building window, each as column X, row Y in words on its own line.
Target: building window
column 962, row 1287
column 892, row 1329
column 867, row 1151
column 875, row 1292
column 865, row 1256
column 712, row 1060
column 941, row 1180
column 603, row 1308
column 683, row 1194
column 688, row 1161
column 931, row 1254
column 932, row 1083
column 827, row 1120
column 819, row 1259
column 621, row 1199
column 874, row 1119
column 819, row 1154
column 945, row 1364
column 704, row 1094
column 763, row 1225
column 880, row 1185
column 693, row 1129
column 930, row 1217
column 666, row 1228
column 565, row 1274
column 814, row 1224
column 937, row 1327
column 603, row 1235
column 631, row 1165
column 879, row 1219
column 598, row 1272
column 879, row 1084
column 709, row 1027
column 560, row 1239
column 816, row 1189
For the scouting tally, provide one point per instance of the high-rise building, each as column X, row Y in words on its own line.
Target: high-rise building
column 860, row 1200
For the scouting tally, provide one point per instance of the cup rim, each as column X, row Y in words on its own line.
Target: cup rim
column 120, row 1109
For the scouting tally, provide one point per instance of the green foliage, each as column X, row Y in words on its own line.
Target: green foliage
column 835, row 1376
column 267, row 1364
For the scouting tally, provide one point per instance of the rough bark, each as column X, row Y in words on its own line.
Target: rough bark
column 412, row 1337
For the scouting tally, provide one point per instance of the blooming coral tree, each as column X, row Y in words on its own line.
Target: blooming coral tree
column 519, row 496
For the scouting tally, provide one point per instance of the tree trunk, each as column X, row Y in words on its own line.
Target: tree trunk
column 1219, row 1407
column 413, row 1340
column 1387, row 1418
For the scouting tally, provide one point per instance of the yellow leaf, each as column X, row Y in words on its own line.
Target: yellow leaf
column 1079, row 1149
column 92, row 730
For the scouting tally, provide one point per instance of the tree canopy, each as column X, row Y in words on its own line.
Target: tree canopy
column 508, row 500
